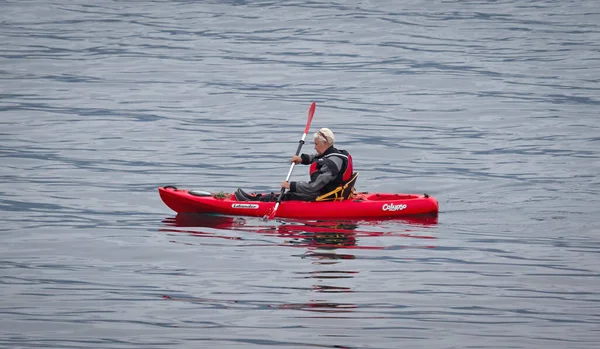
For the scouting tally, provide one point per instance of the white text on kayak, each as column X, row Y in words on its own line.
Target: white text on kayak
column 253, row 206
column 392, row 207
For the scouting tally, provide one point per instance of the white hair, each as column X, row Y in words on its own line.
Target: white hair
column 325, row 135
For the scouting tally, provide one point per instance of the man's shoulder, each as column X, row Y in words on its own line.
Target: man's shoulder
column 340, row 154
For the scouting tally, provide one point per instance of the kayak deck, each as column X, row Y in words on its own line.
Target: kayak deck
column 363, row 205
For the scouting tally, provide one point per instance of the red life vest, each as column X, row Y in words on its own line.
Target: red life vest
column 345, row 174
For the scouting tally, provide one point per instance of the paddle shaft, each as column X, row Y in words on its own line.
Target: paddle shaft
column 311, row 113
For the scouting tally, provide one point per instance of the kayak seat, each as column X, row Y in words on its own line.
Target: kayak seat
column 343, row 192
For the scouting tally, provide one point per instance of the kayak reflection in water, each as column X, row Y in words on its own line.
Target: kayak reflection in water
column 322, row 235
column 326, row 235
column 330, row 170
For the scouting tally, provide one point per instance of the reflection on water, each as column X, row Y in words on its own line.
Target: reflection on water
column 327, row 244
column 320, row 238
column 323, row 307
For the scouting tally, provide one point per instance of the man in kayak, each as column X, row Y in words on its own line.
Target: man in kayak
column 329, row 169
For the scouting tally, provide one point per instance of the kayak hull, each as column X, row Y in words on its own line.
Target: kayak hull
column 364, row 205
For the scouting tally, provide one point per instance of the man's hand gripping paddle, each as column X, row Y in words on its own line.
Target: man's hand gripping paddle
column 311, row 113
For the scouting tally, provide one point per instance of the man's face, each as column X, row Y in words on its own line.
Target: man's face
column 321, row 147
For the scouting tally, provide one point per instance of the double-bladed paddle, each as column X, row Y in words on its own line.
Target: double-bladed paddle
column 311, row 113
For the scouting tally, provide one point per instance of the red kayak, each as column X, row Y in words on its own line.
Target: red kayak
column 361, row 206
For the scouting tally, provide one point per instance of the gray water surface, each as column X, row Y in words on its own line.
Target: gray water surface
column 489, row 106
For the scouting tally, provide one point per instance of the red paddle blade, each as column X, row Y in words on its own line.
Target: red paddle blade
column 267, row 216
column 273, row 212
column 311, row 113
